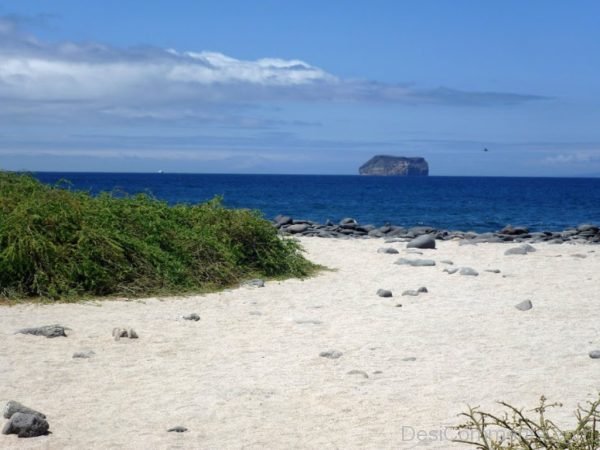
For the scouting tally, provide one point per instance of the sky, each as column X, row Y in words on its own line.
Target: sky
column 307, row 87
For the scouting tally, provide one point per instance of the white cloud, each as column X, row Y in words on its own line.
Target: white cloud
column 107, row 77
column 573, row 158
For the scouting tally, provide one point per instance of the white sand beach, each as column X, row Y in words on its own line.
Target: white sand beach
column 249, row 375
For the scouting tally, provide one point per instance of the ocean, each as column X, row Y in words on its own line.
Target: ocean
column 454, row 203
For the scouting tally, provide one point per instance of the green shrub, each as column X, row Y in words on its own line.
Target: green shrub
column 60, row 244
column 516, row 430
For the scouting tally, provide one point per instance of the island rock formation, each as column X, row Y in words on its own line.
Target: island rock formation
column 383, row 165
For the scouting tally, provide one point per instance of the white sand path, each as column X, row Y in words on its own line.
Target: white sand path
column 247, row 375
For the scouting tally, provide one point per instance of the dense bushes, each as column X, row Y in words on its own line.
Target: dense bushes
column 57, row 243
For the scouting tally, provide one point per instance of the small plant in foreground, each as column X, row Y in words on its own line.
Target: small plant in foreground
column 516, row 430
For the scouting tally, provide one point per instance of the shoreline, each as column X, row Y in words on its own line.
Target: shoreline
column 351, row 228
column 250, row 373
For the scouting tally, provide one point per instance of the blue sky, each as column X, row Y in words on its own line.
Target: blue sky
column 300, row 87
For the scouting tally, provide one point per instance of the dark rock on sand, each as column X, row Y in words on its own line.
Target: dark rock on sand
column 384, row 293
column 362, row 373
column 468, row 272
column 257, row 282
column 26, row 425
column 525, row 305
column 388, row 250
column 86, row 354
column 514, row 231
column 492, row 270
column 195, row 317
column 411, row 292
column 177, row 429
column 331, row 354
column 415, row 262
column 119, row 333
column 447, row 261
column 49, row 331
column 424, row 241
column 422, row 290
column 595, row 354
column 13, row 407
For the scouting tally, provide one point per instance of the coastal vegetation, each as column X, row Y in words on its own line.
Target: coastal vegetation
column 515, row 429
column 57, row 243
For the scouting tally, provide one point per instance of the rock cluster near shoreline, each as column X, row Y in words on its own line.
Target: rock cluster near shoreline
column 350, row 228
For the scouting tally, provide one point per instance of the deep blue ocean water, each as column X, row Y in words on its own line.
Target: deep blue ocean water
column 454, row 203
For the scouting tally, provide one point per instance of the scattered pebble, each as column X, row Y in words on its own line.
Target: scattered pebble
column 86, row 354
column 415, row 262
column 492, row 270
column 195, row 317
column 257, row 282
column 525, row 305
column 177, row 429
column 422, row 290
column 119, row 333
column 595, row 354
column 49, row 331
column 398, row 305
column 358, row 372
column 388, row 250
column 384, row 293
column 469, row 272
column 447, row 261
column 331, row 354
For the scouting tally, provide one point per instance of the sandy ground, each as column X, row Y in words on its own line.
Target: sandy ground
column 249, row 374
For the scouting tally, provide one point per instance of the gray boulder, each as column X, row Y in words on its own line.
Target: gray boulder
column 26, row 425
column 525, row 305
column 595, row 354
column 13, row 407
column 297, row 228
column 424, row 241
column 49, row 331
column 516, row 251
column 469, row 272
column 384, row 293
column 415, row 262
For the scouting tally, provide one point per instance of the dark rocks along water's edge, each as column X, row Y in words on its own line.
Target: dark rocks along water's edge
column 349, row 228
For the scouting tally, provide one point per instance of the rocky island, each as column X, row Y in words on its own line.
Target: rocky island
column 383, row 165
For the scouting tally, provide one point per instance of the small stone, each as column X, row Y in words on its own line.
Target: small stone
column 595, row 354
column 384, row 293
column 377, row 372
column 133, row 334
column 358, row 372
column 177, row 429
column 447, row 261
column 398, row 305
column 118, row 333
column 388, row 250
column 13, row 407
column 86, row 354
column 26, row 425
column 492, row 270
column 415, row 262
column 195, row 317
column 451, row 271
column 525, row 305
column 422, row 289
column 257, row 282
column 331, row 354
column 49, row 331
column 469, row 272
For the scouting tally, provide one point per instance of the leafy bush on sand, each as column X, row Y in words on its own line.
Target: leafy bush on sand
column 516, row 430
column 60, row 244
